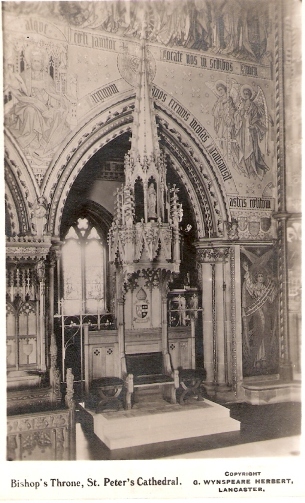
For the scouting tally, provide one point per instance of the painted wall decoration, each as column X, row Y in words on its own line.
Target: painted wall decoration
column 232, row 28
column 38, row 111
column 210, row 63
column 241, row 124
column 259, row 312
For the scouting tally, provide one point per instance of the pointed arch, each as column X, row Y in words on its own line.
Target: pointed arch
column 21, row 188
column 203, row 184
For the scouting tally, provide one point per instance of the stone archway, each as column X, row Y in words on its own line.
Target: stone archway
column 21, row 190
column 190, row 161
column 204, row 187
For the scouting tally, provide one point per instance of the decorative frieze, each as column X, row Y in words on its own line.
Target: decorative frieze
column 212, row 254
column 27, row 247
column 40, row 422
column 233, row 321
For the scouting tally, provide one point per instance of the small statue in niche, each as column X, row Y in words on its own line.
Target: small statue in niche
column 39, row 216
column 194, row 305
column 181, row 309
column 232, row 228
column 40, row 270
column 152, row 201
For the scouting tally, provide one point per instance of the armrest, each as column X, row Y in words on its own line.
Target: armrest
column 167, row 364
column 123, row 367
column 129, row 383
column 175, row 375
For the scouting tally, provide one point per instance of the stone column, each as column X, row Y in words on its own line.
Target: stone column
column 283, row 134
column 54, row 259
column 164, row 278
column 220, row 323
column 40, row 271
column 207, row 324
column 214, row 320
column 120, row 322
column 285, row 368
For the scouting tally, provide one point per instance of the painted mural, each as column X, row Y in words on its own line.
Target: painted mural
column 259, row 312
column 38, row 117
column 71, row 74
column 232, row 28
column 241, row 123
column 64, row 59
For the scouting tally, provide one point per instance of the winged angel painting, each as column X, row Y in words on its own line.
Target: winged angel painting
column 241, row 123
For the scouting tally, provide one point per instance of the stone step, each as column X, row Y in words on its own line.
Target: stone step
column 123, row 429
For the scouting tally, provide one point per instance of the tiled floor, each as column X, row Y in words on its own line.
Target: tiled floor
column 265, row 426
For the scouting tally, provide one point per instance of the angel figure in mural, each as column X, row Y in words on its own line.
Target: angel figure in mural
column 241, row 123
column 174, row 23
column 259, row 294
column 223, row 113
column 38, row 118
column 251, row 122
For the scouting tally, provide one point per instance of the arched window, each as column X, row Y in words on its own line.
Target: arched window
column 84, row 270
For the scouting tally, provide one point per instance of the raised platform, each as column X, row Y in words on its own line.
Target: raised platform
column 157, row 421
column 269, row 390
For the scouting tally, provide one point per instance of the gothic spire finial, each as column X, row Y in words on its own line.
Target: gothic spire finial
column 144, row 134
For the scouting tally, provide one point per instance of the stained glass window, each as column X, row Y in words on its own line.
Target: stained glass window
column 83, row 261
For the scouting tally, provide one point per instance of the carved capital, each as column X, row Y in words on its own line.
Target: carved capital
column 27, row 247
column 54, row 255
column 232, row 229
column 212, row 255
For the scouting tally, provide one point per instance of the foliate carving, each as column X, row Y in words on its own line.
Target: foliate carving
column 232, row 229
column 199, row 273
column 213, row 255
column 126, row 244
column 152, row 278
column 11, row 447
column 46, row 432
column 41, row 439
column 56, row 384
column 53, row 351
column 11, row 214
column 54, row 373
column 214, row 323
column 18, row 196
column 233, row 321
column 27, row 247
column 60, row 443
column 30, row 423
column 69, row 391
